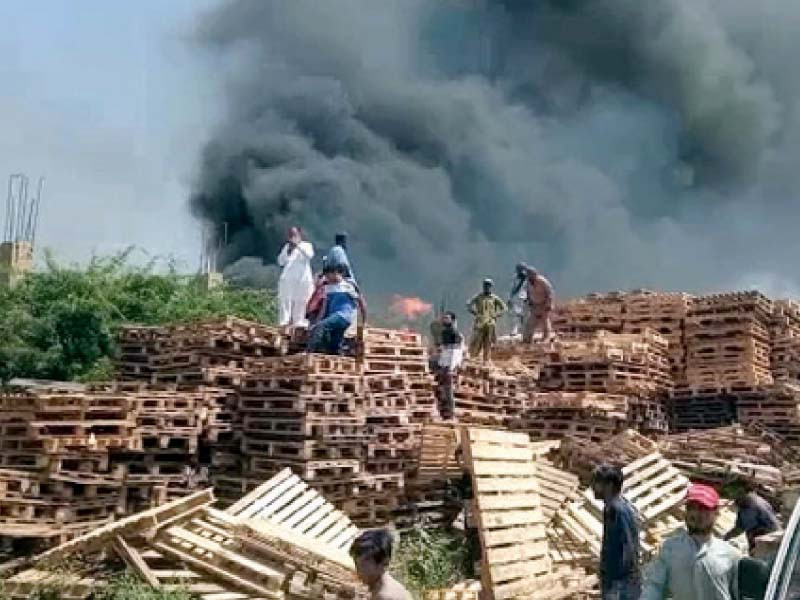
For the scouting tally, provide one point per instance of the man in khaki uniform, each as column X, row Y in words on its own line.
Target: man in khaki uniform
column 486, row 307
column 540, row 303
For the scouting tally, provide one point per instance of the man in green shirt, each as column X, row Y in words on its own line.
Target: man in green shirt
column 486, row 307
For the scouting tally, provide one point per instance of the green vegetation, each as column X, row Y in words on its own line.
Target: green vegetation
column 427, row 559
column 128, row 587
column 61, row 322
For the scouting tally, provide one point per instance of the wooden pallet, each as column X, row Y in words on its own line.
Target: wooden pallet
column 556, row 487
column 287, row 509
column 508, row 512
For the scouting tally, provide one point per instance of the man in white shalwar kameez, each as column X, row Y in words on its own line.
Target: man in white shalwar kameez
column 296, row 283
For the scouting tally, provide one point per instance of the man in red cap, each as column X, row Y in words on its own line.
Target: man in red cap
column 693, row 564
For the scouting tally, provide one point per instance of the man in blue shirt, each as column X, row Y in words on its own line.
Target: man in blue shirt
column 341, row 299
column 619, row 556
column 338, row 256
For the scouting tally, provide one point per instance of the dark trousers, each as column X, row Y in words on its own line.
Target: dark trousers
column 446, row 399
column 628, row 588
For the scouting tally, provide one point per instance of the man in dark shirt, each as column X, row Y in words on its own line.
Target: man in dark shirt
column 754, row 517
column 451, row 351
column 619, row 558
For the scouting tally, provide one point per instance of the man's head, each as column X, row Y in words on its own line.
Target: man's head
column 372, row 553
column 341, row 239
column 449, row 319
column 332, row 273
column 607, row 482
column 522, row 270
column 294, row 234
column 702, row 502
column 532, row 274
column 488, row 286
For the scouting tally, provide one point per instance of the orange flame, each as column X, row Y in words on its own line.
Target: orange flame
column 410, row 308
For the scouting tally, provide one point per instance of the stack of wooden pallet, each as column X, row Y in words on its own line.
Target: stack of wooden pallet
column 400, row 397
column 775, row 407
column 664, row 313
column 211, row 352
column 700, row 409
column 588, row 415
column 283, row 540
column 490, row 393
column 305, row 412
column 727, row 342
column 785, row 338
column 432, row 487
column 595, row 312
column 73, row 458
column 611, row 363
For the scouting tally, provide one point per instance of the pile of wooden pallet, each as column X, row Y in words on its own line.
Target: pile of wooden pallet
column 588, row 415
column 490, row 393
column 610, row 363
column 72, row 459
column 727, row 342
column 664, row 313
column 724, row 454
column 211, row 352
column 589, row 314
column 775, row 407
column 785, row 340
column 283, row 540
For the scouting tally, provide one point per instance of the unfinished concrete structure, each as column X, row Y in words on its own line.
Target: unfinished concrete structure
column 19, row 230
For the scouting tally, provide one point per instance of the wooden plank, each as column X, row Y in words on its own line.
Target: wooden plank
column 135, row 561
column 517, row 552
column 489, row 502
column 482, row 451
column 521, row 469
column 513, row 535
column 492, row 520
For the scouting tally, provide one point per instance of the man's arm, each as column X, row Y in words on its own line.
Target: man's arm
column 500, row 305
column 656, row 579
column 471, row 305
column 733, row 533
column 283, row 257
column 306, row 249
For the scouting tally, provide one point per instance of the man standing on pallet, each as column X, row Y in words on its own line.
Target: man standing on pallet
column 693, row 564
column 486, row 307
column 450, row 356
column 619, row 554
column 340, row 302
column 296, row 283
column 540, row 305
column 518, row 300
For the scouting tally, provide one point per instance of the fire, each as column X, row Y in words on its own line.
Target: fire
column 410, row 308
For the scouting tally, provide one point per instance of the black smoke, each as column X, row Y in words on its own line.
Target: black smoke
column 612, row 143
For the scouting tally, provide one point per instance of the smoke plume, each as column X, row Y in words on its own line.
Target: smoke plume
column 610, row 143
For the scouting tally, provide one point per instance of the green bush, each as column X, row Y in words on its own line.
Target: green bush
column 61, row 322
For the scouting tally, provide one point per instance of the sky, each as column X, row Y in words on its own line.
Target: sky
column 109, row 101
